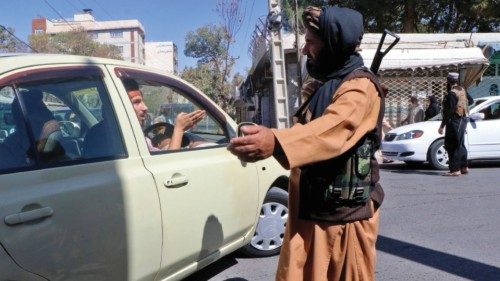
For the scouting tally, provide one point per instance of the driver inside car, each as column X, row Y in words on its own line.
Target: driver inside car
column 184, row 121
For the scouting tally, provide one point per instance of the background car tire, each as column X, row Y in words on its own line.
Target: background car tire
column 438, row 157
column 270, row 229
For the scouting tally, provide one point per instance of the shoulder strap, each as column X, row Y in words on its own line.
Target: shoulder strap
column 364, row 72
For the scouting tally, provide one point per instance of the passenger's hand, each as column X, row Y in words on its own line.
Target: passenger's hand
column 185, row 121
column 440, row 130
column 257, row 143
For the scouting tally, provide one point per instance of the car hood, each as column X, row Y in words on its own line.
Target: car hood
column 426, row 126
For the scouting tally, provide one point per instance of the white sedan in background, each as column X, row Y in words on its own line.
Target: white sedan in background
column 420, row 142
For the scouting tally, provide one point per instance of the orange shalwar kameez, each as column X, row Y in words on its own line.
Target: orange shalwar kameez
column 317, row 251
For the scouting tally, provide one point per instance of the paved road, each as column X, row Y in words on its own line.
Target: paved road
column 431, row 228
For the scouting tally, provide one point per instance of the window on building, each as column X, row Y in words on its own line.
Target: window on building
column 38, row 31
column 116, row 34
column 94, row 35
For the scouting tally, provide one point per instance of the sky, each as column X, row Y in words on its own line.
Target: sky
column 167, row 20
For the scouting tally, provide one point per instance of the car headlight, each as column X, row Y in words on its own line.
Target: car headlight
column 410, row 135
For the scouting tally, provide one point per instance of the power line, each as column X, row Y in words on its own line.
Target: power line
column 53, row 9
column 249, row 19
column 83, row 4
column 104, row 10
column 12, row 34
column 73, row 5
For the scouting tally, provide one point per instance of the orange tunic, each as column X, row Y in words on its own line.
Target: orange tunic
column 312, row 250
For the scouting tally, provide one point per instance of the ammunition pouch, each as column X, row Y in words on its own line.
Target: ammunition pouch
column 344, row 181
column 356, row 179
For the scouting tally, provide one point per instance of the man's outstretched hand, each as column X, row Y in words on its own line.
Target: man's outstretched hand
column 257, row 143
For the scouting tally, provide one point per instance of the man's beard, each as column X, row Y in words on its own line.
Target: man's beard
column 314, row 69
column 321, row 66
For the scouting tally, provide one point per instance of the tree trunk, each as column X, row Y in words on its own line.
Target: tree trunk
column 410, row 17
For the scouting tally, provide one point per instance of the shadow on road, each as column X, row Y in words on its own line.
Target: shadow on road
column 452, row 264
column 216, row 268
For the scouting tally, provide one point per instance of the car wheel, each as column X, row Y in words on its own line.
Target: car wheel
column 270, row 230
column 438, row 157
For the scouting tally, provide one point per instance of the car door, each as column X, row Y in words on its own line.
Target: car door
column 483, row 136
column 67, row 215
column 209, row 198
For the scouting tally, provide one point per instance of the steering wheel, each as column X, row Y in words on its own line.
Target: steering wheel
column 164, row 129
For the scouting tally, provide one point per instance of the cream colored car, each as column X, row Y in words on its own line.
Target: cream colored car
column 85, row 196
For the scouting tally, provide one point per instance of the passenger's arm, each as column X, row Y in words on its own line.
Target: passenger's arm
column 183, row 122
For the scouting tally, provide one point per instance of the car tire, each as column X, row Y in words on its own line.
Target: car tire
column 438, row 157
column 270, row 229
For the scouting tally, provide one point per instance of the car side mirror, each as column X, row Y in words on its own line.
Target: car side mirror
column 476, row 116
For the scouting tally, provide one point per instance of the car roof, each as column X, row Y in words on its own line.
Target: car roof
column 10, row 61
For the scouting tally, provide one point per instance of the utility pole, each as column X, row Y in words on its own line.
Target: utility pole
column 299, row 54
column 280, row 94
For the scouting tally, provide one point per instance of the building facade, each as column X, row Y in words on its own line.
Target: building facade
column 162, row 55
column 127, row 35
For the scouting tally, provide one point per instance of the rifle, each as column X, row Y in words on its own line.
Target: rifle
column 379, row 55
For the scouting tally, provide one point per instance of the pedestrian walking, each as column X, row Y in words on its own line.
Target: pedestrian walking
column 455, row 112
column 415, row 112
column 432, row 109
column 334, row 194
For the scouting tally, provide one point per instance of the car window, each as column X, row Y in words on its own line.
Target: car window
column 437, row 117
column 56, row 122
column 163, row 104
column 491, row 112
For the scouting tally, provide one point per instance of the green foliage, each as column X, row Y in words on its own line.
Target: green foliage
column 289, row 11
column 76, row 42
column 210, row 45
column 207, row 44
column 408, row 16
column 202, row 77
column 206, row 80
column 8, row 43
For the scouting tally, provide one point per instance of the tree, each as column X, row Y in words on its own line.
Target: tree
column 410, row 16
column 211, row 45
column 9, row 43
column 76, row 42
column 232, row 18
column 202, row 77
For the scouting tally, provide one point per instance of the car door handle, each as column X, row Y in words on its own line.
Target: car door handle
column 177, row 180
column 28, row 216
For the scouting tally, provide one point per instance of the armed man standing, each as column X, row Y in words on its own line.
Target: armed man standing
column 334, row 191
column 455, row 111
